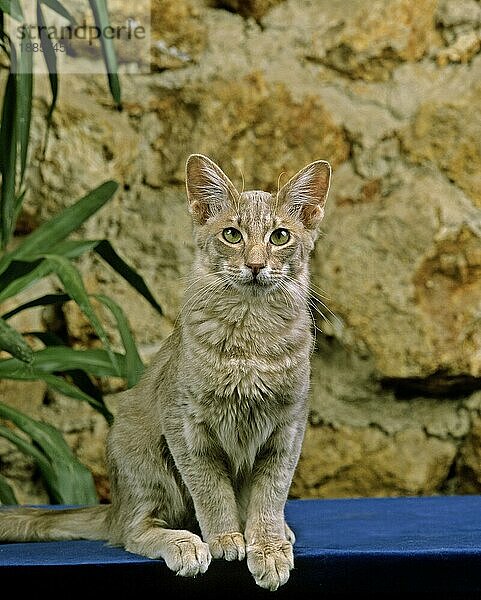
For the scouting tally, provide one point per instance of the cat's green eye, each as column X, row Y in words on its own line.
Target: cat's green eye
column 231, row 235
column 279, row 237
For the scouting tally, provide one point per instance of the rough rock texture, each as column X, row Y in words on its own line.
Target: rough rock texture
column 247, row 8
column 389, row 93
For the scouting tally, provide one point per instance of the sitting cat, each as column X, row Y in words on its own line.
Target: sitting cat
column 209, row 439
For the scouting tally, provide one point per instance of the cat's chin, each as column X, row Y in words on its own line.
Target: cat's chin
column 255, row 286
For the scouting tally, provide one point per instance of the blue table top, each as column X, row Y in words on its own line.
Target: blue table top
column 347, row 537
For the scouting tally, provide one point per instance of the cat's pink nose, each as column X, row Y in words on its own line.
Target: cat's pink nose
column 255, row 268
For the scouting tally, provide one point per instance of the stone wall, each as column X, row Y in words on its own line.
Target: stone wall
column 389, row 92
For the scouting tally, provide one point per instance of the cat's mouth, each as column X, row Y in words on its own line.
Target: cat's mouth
column 259, row 283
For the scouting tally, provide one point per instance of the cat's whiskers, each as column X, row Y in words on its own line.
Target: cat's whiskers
column 319, row 291
column 189, row 302
column 202, row 297
column 286, row 293
column 301, row 301
column 194, row 281
column 201, row 277
column 314, row 295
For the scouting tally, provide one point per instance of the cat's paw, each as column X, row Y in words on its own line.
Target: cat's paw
column 186, row 554
column 230, row 546
column 270, row 562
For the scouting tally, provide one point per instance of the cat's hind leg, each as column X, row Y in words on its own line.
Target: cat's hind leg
column 183, row 551
column 152, row 512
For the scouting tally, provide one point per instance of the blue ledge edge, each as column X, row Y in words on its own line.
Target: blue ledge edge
column 381, row 546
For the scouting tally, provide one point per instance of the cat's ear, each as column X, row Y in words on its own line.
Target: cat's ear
column 209, row 190
column 305, row 194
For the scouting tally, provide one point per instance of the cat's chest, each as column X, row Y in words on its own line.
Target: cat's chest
column 241, row 428
column 254, row 362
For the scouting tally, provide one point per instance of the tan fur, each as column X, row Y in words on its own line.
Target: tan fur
column 202, row 451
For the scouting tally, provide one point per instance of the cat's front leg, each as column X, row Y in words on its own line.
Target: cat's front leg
column 205, row 475
column 268, row 543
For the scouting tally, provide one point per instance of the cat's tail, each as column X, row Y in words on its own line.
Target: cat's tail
column 28, row 524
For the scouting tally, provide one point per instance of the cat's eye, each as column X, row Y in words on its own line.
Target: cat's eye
column 232, row 235
column 279, row 237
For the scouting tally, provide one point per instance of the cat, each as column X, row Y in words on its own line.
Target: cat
column 209, row 439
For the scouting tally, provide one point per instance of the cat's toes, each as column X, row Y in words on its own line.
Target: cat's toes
column 230, row 546
column 187, row 555
column 290, row 536
column 270, row 563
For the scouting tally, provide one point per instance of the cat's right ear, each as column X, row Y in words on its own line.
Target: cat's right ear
column 305, row 194
column 209, row 190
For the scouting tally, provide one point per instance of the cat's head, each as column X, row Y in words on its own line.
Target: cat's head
column 255, row 238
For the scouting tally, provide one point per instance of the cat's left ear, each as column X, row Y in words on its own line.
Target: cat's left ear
column 305, row 194
column 209, row 190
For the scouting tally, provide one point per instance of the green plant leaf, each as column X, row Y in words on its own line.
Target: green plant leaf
column 7, row 495
column 8, row 162
column 50, row 233
column 19, row 274
column 12, row 341
column 55, row 359
column 22, row 275
column 74, row 286
column 60, row 9
column 18, row 205
column 68, row 480
column 101, row 17
column 19, row 371
column 79, row 378
column 23, row 113
column 134, row 367
column 106, row 251
column 73, row 248
column 50, row 59
column 46, row 300
column 23, row 445
column 12, row 8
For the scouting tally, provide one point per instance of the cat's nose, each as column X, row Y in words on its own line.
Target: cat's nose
column 255, row 268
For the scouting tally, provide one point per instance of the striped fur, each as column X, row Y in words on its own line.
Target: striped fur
column 202, row 451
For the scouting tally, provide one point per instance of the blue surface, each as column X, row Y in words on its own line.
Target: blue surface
column 375, row 545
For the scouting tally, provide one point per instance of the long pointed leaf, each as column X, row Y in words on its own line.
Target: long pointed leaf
column 60, row 9
column 45, row 435
column 23, row 445
column 74, row 286
column 55, row 359
column 46, row 300
column 62, row 225
column 70, row 390
column 12, row 341
column 8, row 163
column 79, row 378
column 50, row 59
column 101, row 17
column 67, row 248
column 7, row 495
column 23, row 372
column 12, row 8
column 73, row 248
column 23, row 113
column 28, row 274
column 67, row 479
column 18, row 205
column 106, row 251
column 134, row 367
